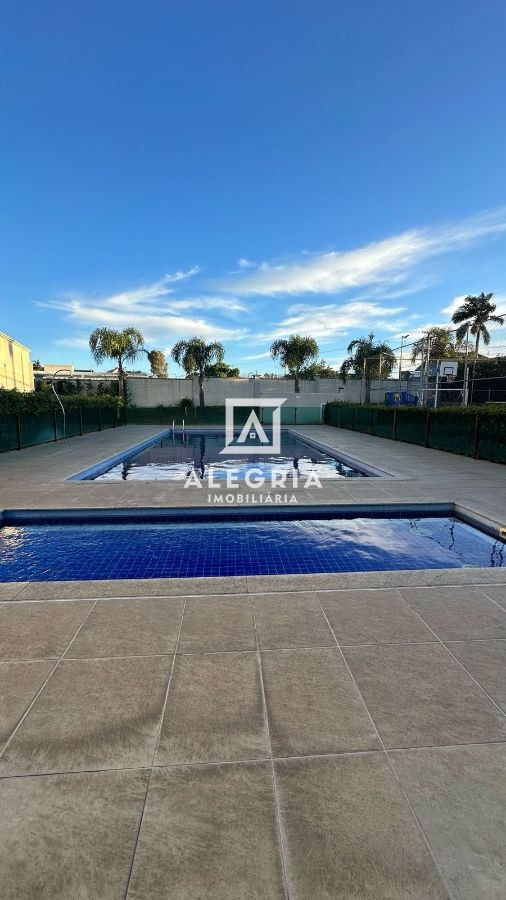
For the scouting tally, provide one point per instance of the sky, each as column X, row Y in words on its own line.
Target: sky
column 242, row 171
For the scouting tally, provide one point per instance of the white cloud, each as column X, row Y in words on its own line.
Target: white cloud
column 244, row 263
column 79, row 343
column 389, row 261
column 259, row 356
column 182, row 276
column 153, row 310
column 335, row 319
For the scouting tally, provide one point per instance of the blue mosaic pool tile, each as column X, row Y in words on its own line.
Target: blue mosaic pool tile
column 205, row 548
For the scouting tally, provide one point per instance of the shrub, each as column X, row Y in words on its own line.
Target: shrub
column 12, row 401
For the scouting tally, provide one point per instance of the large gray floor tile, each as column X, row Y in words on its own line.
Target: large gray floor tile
column 291, row 620
column 372, row 617
column 69, row 836
column 497, row 593
column 313, row 705
column 19, row 683
column 9, row 590
column 217, row 623
column 349, row 833
column 486, row 661
column 457, row 613
column 214, row 711
column 459, row 796
column 92, row 714
column 130, row 628
column 419, row 696
column 39, row 630
column 209, row 832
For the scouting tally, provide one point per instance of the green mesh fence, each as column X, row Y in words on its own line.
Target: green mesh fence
column 492, row 438
column 8, row 432
column 363, row 420
column 37, row 429
column 482, row 435
column 455, row 433
column 411, row 426
column 40, row 428
column 346, row 418
column 382, row 422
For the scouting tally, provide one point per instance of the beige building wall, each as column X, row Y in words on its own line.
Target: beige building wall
column 15, row 367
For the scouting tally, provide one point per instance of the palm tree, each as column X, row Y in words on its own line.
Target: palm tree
column 474, row 313
column 194, row 355
column 295, row 353
column 442, row 345
column 370, row 359
column 122, row 346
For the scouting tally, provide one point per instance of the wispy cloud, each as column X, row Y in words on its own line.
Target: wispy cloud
column 152, row 308
column 386, row 262
column 335, row 319
column 259, row 355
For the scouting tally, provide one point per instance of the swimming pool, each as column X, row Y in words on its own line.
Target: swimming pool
column 173, row 456
column 103, row 546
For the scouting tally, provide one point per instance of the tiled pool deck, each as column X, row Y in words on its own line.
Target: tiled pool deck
column 303, row 736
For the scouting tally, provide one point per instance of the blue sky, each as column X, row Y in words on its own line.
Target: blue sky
column 243, row 171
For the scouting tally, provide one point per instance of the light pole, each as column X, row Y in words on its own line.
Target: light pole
column 403, row 338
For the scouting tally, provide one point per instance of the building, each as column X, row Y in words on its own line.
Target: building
column 15, row 366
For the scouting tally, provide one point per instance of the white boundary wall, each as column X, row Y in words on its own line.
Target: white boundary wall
column 169, row 391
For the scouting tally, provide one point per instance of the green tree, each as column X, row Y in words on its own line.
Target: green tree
column 318, row 368
column 158, row 363
column 194, row 355
column 476, row 313
column 443, row 345
column 221, row 370
column 121, row 346
column 295, row 353
column 368, row 359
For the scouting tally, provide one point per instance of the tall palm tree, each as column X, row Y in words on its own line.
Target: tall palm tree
column 475, row 313
column 194, row 355
column 122, row 346
column 370, row 359
column 295, row 353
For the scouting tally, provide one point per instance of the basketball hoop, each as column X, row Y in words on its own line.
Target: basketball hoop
column 450, row 378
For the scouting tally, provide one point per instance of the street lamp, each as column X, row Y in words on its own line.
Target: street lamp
column 403, row 338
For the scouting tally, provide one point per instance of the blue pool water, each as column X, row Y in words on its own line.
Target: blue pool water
column 184, row 550
column 173, row 457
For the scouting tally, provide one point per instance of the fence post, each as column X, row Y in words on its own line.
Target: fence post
column 476, row 440
column 370, row 420
column 18, row 430
column 99, row 418
column 338, row 417
column 55, row 425
column 427, row 428
column 394, row 425
column 81, row 429
column 353, row 419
